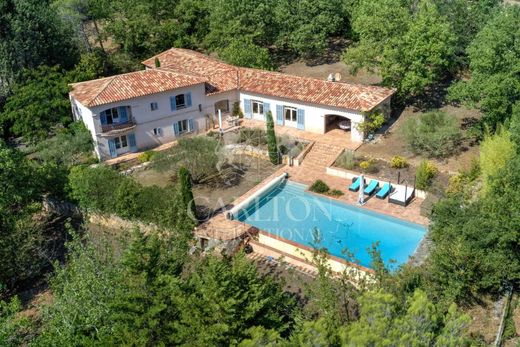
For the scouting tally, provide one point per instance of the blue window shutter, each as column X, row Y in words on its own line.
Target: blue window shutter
column 112, row 148
column 103, row 117
column 247, row 108
column 176, row 129
column 188, row 99
column 173, row 104
column 123, row 116
column 300, row 117
column 267, row 108
column 191, row 126
column 131, row 142
column 279, row 114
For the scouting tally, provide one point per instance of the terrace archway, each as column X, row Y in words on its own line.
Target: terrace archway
column 335, row 122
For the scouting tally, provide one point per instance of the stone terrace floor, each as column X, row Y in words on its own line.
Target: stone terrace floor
column 323, row 153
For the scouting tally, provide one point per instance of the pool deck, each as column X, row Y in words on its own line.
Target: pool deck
column 222, row 228
column 325, row 150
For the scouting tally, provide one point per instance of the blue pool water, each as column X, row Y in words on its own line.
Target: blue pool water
column 290, row 212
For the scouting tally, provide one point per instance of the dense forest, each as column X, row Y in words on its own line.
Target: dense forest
column 155, row 289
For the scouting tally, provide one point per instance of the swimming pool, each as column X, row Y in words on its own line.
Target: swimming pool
column 290, row 212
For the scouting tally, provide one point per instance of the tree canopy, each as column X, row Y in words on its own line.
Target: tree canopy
column 32, row 35
column 412, row 48
column 494, row 55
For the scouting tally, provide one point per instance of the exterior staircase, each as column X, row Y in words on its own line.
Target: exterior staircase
column 320, row 156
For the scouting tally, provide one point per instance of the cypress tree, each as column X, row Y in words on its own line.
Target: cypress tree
column 157, row 62
column 186, row 192
column 271, row 140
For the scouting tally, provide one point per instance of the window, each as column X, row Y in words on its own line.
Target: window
column 157, row 131
column 180, row 101
column 258, row 107
column 154, row 106
column 183, row 126
column 112, row 115
column 290, row 114
column 120, row 142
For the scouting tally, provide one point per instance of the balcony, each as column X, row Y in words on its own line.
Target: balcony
column 116, row 128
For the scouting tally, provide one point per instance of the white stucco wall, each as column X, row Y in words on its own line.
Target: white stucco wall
column 202, row 109
column 85, row 115
column 314, row 113
column 146, row 119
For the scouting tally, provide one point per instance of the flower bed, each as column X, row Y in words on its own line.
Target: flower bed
column 374, row 167
column 350, row 165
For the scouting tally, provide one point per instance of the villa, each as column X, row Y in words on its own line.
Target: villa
column 181, row 91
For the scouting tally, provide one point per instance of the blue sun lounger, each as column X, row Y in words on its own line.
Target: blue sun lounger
column 384, row 191
column 356, row 182
column 371, row 188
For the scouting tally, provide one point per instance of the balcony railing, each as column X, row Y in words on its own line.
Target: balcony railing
column 105, row 128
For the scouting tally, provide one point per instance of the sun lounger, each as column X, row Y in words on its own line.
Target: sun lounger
column 356, row 182
column 383, row 192
column 402, row 195
column 371, row 188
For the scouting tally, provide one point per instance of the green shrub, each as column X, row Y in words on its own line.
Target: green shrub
column 70, row 146
column 372, row 123
column 296, row 150
column 434, row 134
column 200, row 155
column 319, row 187
column 288, row 145
column 104, row 190
column 424, row 175
column 368, row 166
column 398, row 162
column 464, row 181
column 93, row 188
column 126, row 198
column 455, row 184
column 335, row 193
column 145, row 156
column 237, row 112
column 252, row 136
column 13, row 325
column 495, row 152
column 346, row 160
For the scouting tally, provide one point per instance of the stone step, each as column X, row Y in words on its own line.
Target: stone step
column 320, row 156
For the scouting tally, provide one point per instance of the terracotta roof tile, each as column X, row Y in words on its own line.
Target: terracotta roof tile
column 343, row 95
column 223, row 77
column 182, row 67
column 130, row 85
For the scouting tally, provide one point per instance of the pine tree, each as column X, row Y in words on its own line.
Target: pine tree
column 271, row 140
